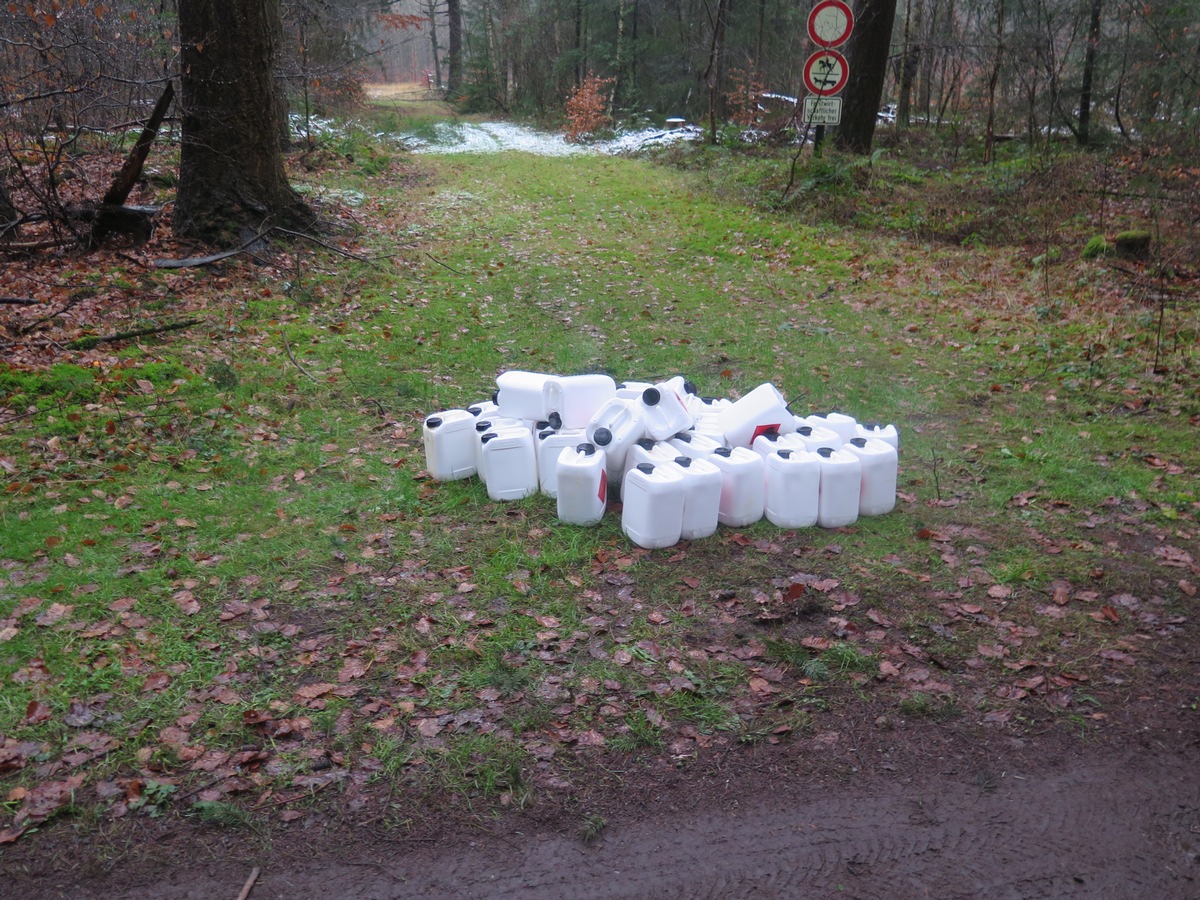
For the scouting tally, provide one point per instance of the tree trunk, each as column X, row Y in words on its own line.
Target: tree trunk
column 231, row 165
column 989, row 136
column 910, row 61
column 8, row 214
column 454, row 28
column 1083, row 135
column 715, row 74
column 868, row 60
column 434, row 48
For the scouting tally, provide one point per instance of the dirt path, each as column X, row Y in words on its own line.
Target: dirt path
column 1089, row 822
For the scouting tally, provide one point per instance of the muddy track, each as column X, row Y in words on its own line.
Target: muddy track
column 1123, row 827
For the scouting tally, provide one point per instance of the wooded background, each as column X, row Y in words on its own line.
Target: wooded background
column 1089, row 71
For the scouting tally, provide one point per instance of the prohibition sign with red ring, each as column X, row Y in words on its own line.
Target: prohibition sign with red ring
column 826, row 73
column 830, row 23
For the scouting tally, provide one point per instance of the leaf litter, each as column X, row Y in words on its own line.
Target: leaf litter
column 770, row 637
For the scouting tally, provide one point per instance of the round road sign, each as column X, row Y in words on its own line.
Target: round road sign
column 826, row 72
column 830, row 23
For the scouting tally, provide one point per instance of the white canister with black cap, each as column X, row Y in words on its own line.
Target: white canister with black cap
column 582, row 479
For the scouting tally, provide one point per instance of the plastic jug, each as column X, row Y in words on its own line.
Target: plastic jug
column 702, row 497
column 483, row 408
column 550, row 444
column 681, row 386
column 582, row 479
column 577, row 397
column 845, row 426
column 877, row 494
column 484, row 426
column 815, row 437
column 632, row 390
column 694, row 444
column 742, row 485
column 708, row 424
column 793, row 488
column 878, row 431
column 663, row 412
column 841, row 485
column 770, row 441
column 613, row 429
column 653, row 498
column 509, row 463
column 763, row 409
column 449, row 439
column 646, row 450
column 522, row 395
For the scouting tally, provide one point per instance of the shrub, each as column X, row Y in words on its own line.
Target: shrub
column 587, row 108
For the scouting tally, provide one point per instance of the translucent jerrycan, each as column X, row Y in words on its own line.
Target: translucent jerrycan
column 793, row 488
column 742, row 485
column 652, row 511
column 877, row 493
column 577, row 397
column 582, row 479
column 841, row 485
column 702, row 497
column 763, row 409
column 509, row 463
column 449, row 439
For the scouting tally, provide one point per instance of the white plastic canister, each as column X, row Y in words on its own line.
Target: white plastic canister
column 613, row 429
column 763, row 409
column 841, row 485
column 877, row 494
column 449, row 439
column 845, row 426
column 770, row 441
column 646, row 450
column 881, row 432
column 481, row 409
column 793, row 488
column 742, row 485
column 522, row 395
column 663, row 412
column 815, row 437
column 485, row 426
column 509, row 463
column 582, row 479
column 702, row 497
column 577, row 397
column 632, row 390
column 550, row 444
column 652, row 511
column 694, row 444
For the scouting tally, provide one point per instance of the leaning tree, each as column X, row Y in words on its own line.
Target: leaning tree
column 231, row 174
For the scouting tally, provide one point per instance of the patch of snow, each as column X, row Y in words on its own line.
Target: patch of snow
column 494, row 137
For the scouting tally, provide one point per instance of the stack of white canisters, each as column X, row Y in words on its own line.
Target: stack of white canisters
column 682, row 464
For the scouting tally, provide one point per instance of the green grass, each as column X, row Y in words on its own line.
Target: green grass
column 231, row 517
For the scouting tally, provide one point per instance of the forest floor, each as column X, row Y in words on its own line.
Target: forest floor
column 250, row 650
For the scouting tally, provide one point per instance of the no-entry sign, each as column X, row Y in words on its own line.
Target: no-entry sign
column 830, row 23
column 826, row 73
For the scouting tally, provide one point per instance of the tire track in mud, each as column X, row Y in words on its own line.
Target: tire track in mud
column 1113, row 831
column 1107, row 828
